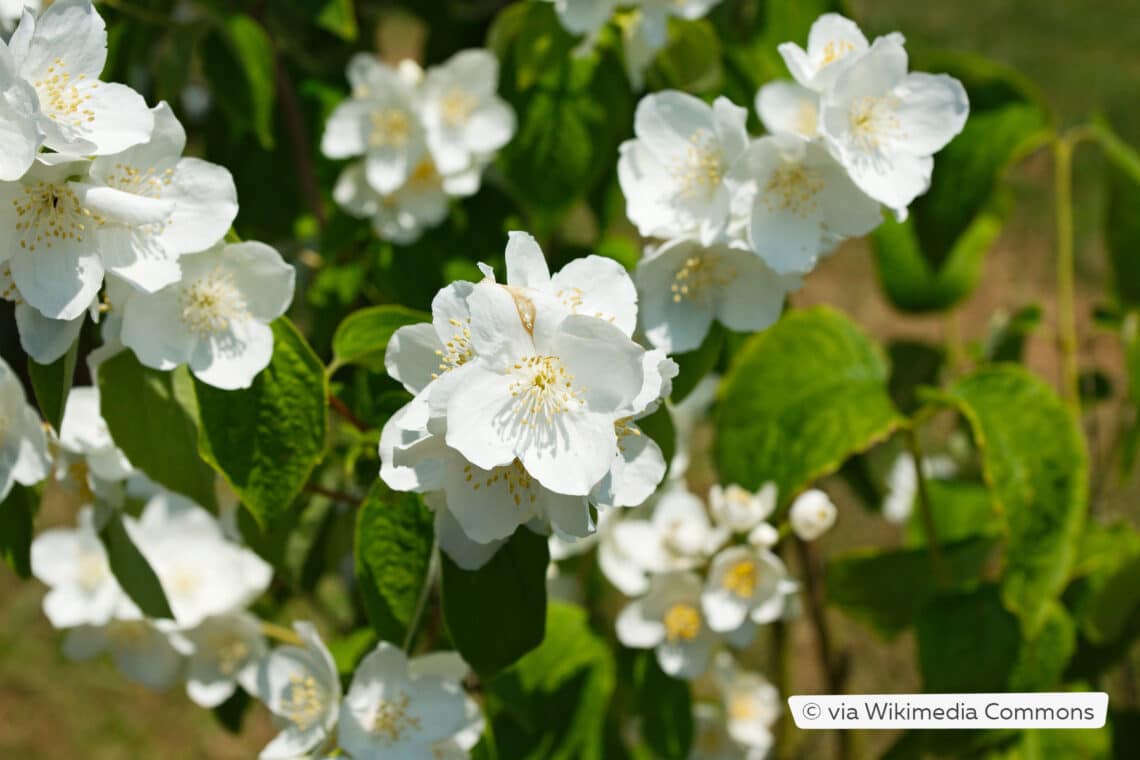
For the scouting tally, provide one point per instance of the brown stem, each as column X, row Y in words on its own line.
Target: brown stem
column 328, row 493
column 834, row 668
column 342, row 409
column 298, row 138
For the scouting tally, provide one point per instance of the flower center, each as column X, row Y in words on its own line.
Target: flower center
column 148, row 182
column 873, row 119
column 699, row 173
column 50, row 213
column 741, row 578
column 391, row 127
column 834, row 50
column 60, row 98
column 230, row 652
column 514, row 475
column 543, row 387
column 424, row 173
column 391, row 720
column 458, row 350
column 126, row 633
column 8, row 287
column 92, row 571
column 743, row 707
column 211, row 303
column 303, row 702
column 693, row 280
column 456, row 106
column 682, row 623
column 793, row 188
column 807, row 119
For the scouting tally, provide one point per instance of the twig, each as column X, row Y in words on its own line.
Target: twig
column 342, row 409
column 328, row 493
column 834, row 669
column 926, row 510
column 298, row 137
column 425, row 592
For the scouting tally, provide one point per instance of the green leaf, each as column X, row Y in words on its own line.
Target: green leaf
column 666, row 707
column 1113, row 604
column 1122, row 225
column 1041, row 660
column 239, row 61
column 960, row 508
column 497, row 614
column 1130, row 337
column 348, row 651
column 934, row 259
column 265, row 440
column 573, row 110
column 231, row 713
column 694, row 365
column 17, row 514
column 393, row 551
column 967, row 642
column 132, row 570
column 152, row 417
column 363, row 336
column 799, row 399
column 1034, row 461
column 1005, row 341
column 51, row 384
column 339, row 17
column 551, row 705
column 886, row 589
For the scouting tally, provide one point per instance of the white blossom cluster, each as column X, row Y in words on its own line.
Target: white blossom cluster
column 742, row 219
column 420, row 138
column 96, row 196
column 213, row 644
column 526, row 396
column 644, row 25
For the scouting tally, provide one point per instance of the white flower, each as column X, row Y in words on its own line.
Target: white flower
column 544, row 389
column 380, row 122
column 595, row 286
column 786, row 107
column 61, row 54
column 464, row 118
column 834, row 43
column 216, row 318
column 403, row 215
column 711, row 740
column 73, row 563
column 669, row 619
column 751, row 705
column 743, row 584
column 803, row 202
column 678, row 536
column 812, row 514
column 11, row 10
column 301, row 687
column 88, row 459
column 42, row 338
column 19, row 130
column 673, row 174
column 202, row 573
column 402, row 709
column 58, row 253
column 902, row 482
column 738, row 509
column 684, row 286
column 23, row 444
column 584, row 16
column 200, row 198
column 227, row 652
column 884, row 124
column 141, row 649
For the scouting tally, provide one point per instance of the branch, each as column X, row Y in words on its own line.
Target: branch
column 342, row 409
column 328, row 493
column 298, row 137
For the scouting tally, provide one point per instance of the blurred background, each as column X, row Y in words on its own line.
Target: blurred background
column 1082, row 57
